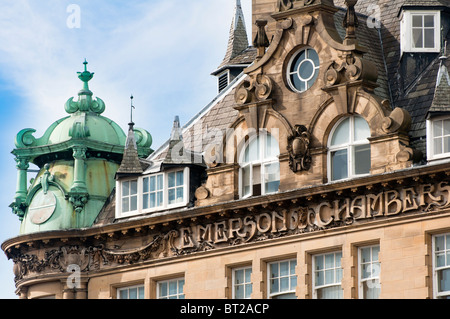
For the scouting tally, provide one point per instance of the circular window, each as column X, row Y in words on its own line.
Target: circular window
column 303, row 70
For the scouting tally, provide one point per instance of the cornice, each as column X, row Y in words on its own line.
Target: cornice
column 248, row 204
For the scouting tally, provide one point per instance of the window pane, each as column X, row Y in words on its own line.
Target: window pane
column 339, row 165
column 180, row 178
column 171, row 177
column 365, row 255
column 306, row 70
column 437, row 145
column 163, row 289
column 444, row 280
column 153, row 183
column 371, row 289
column 446, row 126
column 123, row 294
column 362, row 130
column 274, row 270
column 180, row 194
column 312, row 54
column 362, row 159
column 440, row 260
column 133, row 203
column 145, row 182
column 440, row 243
column 297, row 83
column 297, row 61
column 239, row 276
column 319, row 262
column 160, row 182
column 248, row 290
column 248, row 274
column 284, row 268
column 342, row 133
column 239, row 292
column 272, row 177
column 437, row 128
column 141, row 292
column 159, row 199
column 173, row 288
column 284, row 284
column 286, row 296
column 417, row 38
column 171, row 196
column 417, row 21
column 246, row 180
column 272, row 149
column 428, row 21
column 133, row 293
column 330, row 293
column 145, row 201
column 152, row 200
column 319, row 280
column 133, row 187
column 429, row 38
column 125, row 188
column 181, row 286
column 446, row 144
column 125, row 205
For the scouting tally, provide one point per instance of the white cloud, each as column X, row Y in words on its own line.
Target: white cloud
column 162, row 52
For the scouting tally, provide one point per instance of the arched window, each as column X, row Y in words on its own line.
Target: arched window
column 349, row 149
column 259, row 172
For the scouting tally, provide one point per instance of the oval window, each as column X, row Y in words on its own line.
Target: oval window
column 303, row 70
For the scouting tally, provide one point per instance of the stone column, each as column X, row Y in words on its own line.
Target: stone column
column 78, row 194
column 79, row 180
column 22, row 167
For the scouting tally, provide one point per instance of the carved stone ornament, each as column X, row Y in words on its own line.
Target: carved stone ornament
column 256, row 89
column 298, row 149
column 352, row 69
column 284, row 5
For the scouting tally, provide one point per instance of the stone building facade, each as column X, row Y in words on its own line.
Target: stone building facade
column 320, row 170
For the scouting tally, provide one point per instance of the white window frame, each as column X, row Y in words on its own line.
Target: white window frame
column 350, row 147
column 406, row 31
column 177, row 295
column 280, row 293
column 244, row 284
column 436, row 294
column 335, row 284
column 262, row 162
column 431, row 153
column 140, row 179
column 374, row 279
column 316, row 70
column 120, row 197
column 128, row 288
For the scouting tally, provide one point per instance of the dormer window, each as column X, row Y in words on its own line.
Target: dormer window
column 420, row 31
column 155, row 192
column 438, row 144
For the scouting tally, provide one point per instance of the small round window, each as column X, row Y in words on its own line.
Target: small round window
column 303, row 70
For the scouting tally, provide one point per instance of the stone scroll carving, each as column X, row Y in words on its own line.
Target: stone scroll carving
column 254, row 89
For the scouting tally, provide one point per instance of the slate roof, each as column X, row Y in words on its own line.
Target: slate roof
column 416, row 94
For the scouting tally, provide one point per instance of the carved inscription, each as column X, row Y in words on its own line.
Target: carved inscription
column 252, row 227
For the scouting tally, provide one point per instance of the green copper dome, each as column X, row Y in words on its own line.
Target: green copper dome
column 78, row 157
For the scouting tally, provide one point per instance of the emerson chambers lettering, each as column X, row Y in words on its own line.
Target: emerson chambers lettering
column 315, row 216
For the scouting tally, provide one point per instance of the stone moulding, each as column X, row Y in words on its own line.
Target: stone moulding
column 372, row 199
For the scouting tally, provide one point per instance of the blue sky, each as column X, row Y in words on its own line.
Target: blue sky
column 160, row 51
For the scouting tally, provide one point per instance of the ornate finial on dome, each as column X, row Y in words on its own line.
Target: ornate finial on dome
column 85, row 102
column 85, row 76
